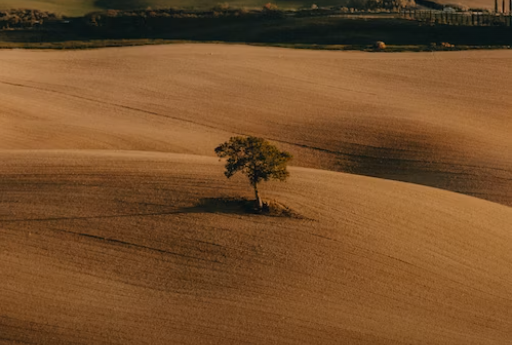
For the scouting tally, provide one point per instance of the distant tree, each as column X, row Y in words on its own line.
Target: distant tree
column 270, row 7
column 256, row 158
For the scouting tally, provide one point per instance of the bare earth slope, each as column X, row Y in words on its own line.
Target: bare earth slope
column 131, row 260
column 442, row 120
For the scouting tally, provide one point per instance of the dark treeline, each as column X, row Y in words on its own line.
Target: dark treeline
column 23, row 18
column 237, row 25
column 26, row 18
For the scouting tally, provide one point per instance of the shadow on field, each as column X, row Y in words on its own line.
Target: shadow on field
column 241, row 206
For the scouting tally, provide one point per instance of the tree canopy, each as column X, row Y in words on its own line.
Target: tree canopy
column 256, row 158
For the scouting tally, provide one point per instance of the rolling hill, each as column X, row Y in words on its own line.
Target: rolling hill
column 442, row 120
column 111, row 247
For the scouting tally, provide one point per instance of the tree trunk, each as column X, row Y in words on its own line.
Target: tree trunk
column 258, row 201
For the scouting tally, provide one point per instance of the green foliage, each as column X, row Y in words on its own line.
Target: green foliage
column 21, row 18
column 271, row 10
column 254, row 157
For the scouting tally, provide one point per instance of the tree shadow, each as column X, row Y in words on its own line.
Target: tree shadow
column 242, row 206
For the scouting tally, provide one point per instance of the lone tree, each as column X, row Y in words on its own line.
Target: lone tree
column 256, row 158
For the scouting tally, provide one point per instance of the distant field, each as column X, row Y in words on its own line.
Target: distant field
column 80, row 7
column 438, row 119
